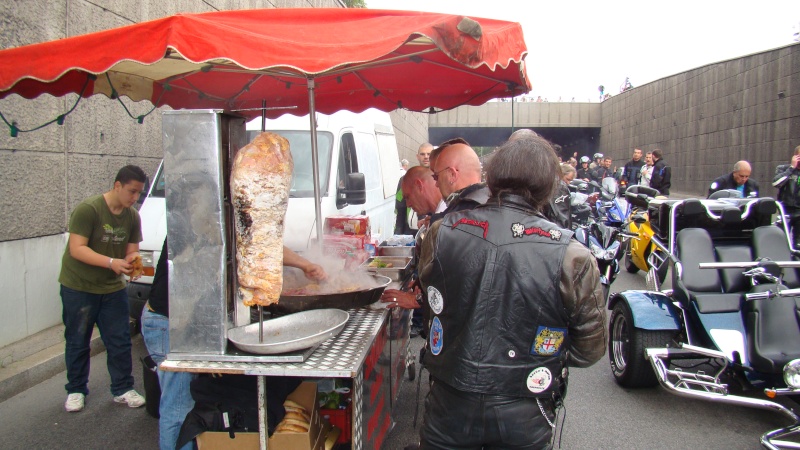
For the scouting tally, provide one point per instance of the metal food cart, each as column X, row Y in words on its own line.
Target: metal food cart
column 199, row 146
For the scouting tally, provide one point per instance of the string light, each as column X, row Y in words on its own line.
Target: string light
column 14, row 129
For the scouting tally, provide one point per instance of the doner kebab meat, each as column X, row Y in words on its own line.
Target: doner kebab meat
column 260, row 180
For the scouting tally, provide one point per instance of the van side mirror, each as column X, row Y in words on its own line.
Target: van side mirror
column 355, row 191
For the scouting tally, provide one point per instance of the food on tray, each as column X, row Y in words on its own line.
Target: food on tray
column 380, row 264
column 260, row 180
column 296, row 420
column 138, row 268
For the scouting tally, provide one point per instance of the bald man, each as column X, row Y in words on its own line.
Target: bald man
column 421, row 193
column 457, row 172
column 739, row 180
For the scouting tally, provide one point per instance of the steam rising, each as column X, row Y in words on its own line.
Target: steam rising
column 340, row 279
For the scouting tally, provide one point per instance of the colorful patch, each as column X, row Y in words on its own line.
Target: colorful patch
column 436, row 336
column 518, row 230
column 539, row 380
column 548, row 341
column 435, row 299
column 482, row 225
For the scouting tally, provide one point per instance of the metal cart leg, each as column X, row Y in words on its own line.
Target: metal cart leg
column 263, row 427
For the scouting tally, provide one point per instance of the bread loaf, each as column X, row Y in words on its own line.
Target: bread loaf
column 261, row 177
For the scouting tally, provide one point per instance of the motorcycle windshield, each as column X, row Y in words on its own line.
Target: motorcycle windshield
column 610, row 186
column 577, row 198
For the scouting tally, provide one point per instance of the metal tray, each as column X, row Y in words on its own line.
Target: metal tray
column 289, row 333
column 398, row 270
column 395, row 250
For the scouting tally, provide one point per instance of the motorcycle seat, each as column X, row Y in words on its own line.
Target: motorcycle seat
column 770, row 242
column 773, row 331
column 733, row 280
column 702, row 287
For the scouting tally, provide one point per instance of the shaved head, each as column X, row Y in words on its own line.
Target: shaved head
column 457, row 167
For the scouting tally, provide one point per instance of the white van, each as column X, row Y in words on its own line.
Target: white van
column 348, row 143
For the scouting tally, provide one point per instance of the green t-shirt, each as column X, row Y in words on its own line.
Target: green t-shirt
column 109, row 235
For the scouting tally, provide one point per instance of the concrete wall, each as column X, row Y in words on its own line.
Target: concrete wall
column 708, row 118
column 525, row 115
column 45, row 173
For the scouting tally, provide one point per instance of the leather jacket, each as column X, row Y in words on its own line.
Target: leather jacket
column 661, row 179
column 513, row 300
column 788, row 185
column 467, row 198
column 559, row 210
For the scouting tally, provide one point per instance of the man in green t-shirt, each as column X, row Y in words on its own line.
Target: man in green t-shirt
column 104, row 235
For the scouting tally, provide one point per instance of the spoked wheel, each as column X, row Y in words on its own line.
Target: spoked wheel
column 626, row 349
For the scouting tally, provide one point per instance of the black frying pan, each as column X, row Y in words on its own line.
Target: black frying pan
column 289, row 304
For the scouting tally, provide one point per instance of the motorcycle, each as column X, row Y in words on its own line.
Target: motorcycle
column 609, row 206
column 645, row 251
column 604, row 242
column 580, row 211
column 730, row 327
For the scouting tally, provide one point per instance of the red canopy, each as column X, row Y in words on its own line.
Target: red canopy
column 234, row 60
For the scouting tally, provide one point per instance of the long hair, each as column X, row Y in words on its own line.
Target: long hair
column 527, row 167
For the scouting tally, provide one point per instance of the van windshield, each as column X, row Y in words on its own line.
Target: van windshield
column 302, row 179
column 300, row 146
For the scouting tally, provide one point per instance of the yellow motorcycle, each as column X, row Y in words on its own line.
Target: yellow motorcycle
column 645, row 251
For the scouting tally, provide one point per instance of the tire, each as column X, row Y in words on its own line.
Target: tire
column 626, row 347
column 412, row 371
column 629, row 265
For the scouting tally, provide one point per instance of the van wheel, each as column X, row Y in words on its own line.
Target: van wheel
column 626, row 348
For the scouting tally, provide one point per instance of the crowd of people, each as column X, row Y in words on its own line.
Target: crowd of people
column 506, row 299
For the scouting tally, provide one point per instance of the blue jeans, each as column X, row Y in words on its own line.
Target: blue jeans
column 176, row 399
column 81, row 311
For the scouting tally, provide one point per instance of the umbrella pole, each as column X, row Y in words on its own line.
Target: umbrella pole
column 315, row 161
column 263, row 116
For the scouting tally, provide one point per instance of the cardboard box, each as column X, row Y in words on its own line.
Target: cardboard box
column 348, row 225
column 314, row 439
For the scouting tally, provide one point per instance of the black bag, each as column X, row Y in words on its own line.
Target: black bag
column 152, row 388
column 230, row 403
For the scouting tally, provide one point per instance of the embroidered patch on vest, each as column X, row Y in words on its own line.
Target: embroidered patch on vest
column 435, row 300
column 539, row 380
column 436, row 336
column 518, row 230
column 548, row 341
column 482, row 225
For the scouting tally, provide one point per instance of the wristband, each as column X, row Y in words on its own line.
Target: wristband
column 110, row 261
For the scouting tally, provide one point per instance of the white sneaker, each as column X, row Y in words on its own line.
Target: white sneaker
column 74, row 402
column 132, row 398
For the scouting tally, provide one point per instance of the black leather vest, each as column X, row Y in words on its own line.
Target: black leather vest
column 497, row 323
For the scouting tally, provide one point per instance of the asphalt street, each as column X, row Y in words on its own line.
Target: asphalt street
column 598, row 414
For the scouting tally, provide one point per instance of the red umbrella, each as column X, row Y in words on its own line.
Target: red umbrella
column 234, row 60
column 310, row 59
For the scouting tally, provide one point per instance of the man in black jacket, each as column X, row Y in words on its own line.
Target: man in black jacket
column 632, row 171
column 583, row 172
column 787, row 180
column 513, row 302
column 662, row 174
column 738, row 180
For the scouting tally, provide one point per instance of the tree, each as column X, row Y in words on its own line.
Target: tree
column 355, row 3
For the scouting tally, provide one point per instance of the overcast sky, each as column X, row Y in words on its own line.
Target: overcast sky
column 575, row 46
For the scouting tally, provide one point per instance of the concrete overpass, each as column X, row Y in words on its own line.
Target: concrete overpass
column 574, row 126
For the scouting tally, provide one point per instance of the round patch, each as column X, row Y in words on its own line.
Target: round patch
column 539, row 379
column 435, row 299
column 436, row 336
